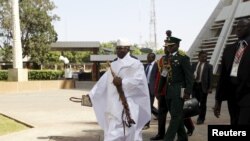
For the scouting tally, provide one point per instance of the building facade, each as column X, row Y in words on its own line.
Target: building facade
column 219, row 31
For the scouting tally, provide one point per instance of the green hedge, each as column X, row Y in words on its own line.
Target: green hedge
column 45, row 75
column 37, row 75
column 3, row 75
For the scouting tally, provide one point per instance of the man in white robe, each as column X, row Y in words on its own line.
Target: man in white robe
column 107, row 105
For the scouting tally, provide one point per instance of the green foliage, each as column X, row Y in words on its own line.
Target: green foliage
column 136, row 50
column 37, row 75
column 53, row 57
column 110, row 44
column 160, row 51
column 107, row 48
column 45, row 75
column 37, row 31
column 77, row 56
column 3, row 75
column 6, row 52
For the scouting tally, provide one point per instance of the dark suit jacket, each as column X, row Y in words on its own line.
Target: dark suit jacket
column 225, row 90
column 206, row 76
column 152, row 78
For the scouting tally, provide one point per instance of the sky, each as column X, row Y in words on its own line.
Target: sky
column 109, row 20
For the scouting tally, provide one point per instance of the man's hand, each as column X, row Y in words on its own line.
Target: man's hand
column 217, row 108
column 117, row 81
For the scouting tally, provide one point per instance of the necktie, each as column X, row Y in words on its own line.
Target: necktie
column 147, row 69
column 239, row 52
column 198, row 71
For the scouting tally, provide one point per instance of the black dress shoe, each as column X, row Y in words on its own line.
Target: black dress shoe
column 190, row 132
column 157, row 137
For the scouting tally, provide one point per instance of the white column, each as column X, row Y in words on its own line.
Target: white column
column 225, row 32
column 17, row 73
column 17, row 46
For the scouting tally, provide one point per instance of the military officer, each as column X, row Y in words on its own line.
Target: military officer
column 162, row 107
column 176, row 75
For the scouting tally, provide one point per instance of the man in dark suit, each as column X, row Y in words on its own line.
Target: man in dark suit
column 161, row 96
column 151, row 70
column 203, row 73
column 162, row 106
column 234, row 82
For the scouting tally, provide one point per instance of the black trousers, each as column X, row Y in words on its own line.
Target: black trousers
column 162, row 115
column 189, row 124
column 202, row 99
column 239, row 115
column 154, row 111
column 238, row 107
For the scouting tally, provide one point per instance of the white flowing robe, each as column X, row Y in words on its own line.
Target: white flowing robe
column 108, row 108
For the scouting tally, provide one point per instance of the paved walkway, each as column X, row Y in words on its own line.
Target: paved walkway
column 55, row 118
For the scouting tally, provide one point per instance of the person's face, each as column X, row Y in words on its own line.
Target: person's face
column 243, row 29
column 172, row 48
column 150, row 57
column 168, row 33
column 203, row 57
column 121, row 51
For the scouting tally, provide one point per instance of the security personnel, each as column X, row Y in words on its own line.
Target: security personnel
column 176, row 75
column 162, row 106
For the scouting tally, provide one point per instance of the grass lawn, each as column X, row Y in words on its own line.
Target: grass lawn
column 8, row 125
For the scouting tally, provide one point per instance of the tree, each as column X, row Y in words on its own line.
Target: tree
column 135, row 50
column 37, row 31
column 6, row 53
column 107, row 47
column 160, row 51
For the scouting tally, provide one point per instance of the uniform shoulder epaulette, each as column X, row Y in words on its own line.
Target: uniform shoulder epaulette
column 182, row 53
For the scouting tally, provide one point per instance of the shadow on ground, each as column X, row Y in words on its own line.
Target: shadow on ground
column 89, row 135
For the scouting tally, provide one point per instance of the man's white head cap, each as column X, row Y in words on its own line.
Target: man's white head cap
column 123, row 42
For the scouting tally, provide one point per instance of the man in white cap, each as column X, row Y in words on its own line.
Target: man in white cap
column 120, row 98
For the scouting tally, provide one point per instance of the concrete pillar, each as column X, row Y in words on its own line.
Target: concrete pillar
column 222, row 40
column 17, row 73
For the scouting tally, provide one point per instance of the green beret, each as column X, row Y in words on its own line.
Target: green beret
column 171, row 41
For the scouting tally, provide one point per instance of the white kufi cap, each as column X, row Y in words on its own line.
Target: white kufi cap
column 123, row 42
